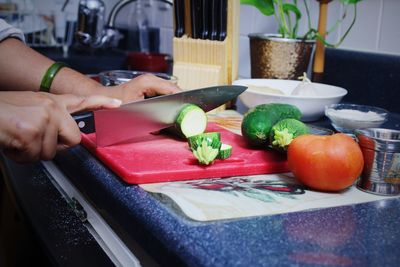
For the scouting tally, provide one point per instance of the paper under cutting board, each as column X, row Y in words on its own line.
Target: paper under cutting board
column 162, row 158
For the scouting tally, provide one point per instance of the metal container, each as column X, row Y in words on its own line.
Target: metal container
column 381, row 151
column 91, row 19
column 274, row 57
column 117, row 77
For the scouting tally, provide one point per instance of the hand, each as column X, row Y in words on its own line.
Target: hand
column 146, row 85
column 35, row 126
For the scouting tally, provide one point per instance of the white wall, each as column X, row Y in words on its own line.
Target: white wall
column 377, row 28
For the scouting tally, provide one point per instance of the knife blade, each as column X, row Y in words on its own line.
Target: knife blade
column 137, row 119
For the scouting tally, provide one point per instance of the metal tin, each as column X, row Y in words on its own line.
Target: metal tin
column 279, row 58
column 381, row 151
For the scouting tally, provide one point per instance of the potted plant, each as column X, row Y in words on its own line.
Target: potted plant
column 286, row 54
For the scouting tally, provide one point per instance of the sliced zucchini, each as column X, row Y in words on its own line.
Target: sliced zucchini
column 205, row 146
column 225, row 151
column 205, row 153
column 192, row 120
column 214, row 138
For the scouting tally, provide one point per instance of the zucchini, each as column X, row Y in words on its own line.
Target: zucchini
column 191, row 120
column 214, row 138
column 258, row 121
column 280, row 111
column 284, row 131
column 225, row 151
column 205, row 147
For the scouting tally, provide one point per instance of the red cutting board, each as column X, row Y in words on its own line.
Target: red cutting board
column 162, row 158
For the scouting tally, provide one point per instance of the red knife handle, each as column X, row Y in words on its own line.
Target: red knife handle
column 85, row 122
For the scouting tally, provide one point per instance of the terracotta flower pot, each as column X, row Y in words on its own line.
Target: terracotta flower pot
column 274, row 57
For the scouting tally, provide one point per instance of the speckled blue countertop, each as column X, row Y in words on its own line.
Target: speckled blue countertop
column 357, row 235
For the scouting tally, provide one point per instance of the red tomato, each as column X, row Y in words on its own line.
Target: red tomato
column 326, row 163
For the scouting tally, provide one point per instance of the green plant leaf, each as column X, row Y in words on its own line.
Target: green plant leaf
column 264, row 6
column 292, row 8
column 287, row 9
column 346, row 2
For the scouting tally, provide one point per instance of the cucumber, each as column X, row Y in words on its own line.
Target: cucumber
column 255, row 128
column 205, row 147
column 258, row 121
column 281, row 111
column 284, row 131
column 225, row 151
column 191, row 120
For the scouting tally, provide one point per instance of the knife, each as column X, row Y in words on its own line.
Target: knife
column 196, row 18
column 213, row 25
column 223, row 19
column 205, row 16
column 179, row 9
column 137, row 119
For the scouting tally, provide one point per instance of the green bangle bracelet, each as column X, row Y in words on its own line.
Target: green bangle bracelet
column 50, row 74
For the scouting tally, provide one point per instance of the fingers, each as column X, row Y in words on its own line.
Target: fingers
column 80, row 103
column 60, row 128
column 158, row 86
column 23, row 133
column 68, row 133
column 146, row 85
column 36, row 130
column 49, row 141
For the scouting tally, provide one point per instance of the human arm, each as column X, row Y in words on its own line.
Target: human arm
column 22, row 68
column 35, row 125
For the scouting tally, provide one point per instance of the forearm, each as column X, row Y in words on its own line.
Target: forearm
column 22, row 69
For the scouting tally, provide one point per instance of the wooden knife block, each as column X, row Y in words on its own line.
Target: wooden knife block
column 202, row 63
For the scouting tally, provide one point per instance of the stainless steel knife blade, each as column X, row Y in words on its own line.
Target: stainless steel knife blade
column 136, row 119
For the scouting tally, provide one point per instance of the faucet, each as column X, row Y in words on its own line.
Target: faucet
column 91, row 29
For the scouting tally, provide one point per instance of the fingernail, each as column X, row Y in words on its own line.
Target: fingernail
column 116, row 102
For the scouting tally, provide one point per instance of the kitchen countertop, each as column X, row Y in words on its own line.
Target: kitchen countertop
column 355, row 235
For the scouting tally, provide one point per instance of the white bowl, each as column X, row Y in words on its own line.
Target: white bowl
column 312, row 107
column 346, row 118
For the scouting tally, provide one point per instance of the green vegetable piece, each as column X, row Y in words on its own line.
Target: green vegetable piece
column 284, row 131
column 191, row 120
column 205, row 153
column 225, row 151
column 212, row 138
column 258, row 121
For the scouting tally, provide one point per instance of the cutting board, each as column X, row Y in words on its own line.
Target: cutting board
column 161, row 158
